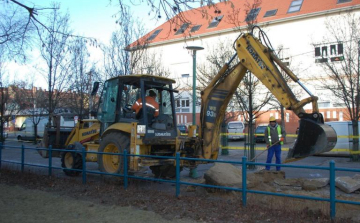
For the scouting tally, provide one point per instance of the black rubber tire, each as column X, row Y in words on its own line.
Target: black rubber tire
column 164, row 171
column 19, row 138
column 77, row 163
column 115, row 142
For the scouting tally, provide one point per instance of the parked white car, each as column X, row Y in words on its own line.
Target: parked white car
column 236, row 130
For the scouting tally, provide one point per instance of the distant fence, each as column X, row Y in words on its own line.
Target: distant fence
column 244, row 163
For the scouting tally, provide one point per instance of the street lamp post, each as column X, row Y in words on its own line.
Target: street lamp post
column 193, row 170
column 194, row 49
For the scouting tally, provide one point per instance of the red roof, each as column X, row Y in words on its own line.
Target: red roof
column 237, row 9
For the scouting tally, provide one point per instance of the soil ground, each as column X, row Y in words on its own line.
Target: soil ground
column 31, row 197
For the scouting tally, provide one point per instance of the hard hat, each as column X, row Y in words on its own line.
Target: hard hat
column 272, row 119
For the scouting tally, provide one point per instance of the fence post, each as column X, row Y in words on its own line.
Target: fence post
column 1, row 147
column 125, row 169
column 332, row 190
column 83, row 165
column 22, row 157
column 50, row 160
column 177, row 174
column 244, row 180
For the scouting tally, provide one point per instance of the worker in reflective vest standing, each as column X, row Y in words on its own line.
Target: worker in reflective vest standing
column 274, row 137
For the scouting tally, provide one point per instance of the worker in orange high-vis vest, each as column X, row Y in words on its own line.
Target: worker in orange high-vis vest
column 273, row 134
column 150, row 102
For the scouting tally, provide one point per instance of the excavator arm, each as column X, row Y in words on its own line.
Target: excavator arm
column 314, row 136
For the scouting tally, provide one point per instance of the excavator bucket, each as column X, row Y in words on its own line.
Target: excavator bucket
column 314, row 137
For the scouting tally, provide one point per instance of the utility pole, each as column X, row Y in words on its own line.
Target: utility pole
column 194, row 49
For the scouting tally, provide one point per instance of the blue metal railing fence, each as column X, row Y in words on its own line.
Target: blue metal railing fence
column 177, row 159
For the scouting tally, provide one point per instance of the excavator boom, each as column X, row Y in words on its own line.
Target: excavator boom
column 314, row 136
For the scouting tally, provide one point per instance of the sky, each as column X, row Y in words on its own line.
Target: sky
column 91, row 18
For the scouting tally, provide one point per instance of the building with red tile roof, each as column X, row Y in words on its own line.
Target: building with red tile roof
column 230, row 15
column 297, row 26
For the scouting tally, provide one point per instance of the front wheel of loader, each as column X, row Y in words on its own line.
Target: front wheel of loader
column 114, row 142
column 71, row 160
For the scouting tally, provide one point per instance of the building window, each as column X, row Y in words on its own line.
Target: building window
column 215, row 22
column 277, row 115
column 334, row 114
column 195, row 28
column 182, row 28
column 182, row 105
column 287, row 117
column 328, row 114
column 324, row 104
column 341, row 118
column 252, row 15
column 295, row 6
column 343, row 1
column 154, row 35
column 270, row 13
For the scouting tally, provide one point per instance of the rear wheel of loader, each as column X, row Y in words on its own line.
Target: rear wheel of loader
column 114, row 142
column 71, row 160
column 164, row 171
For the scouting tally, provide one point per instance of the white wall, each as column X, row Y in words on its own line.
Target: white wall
column 296, row 37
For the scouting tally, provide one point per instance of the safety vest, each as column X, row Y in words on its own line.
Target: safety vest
column 279, row 134
column 150, row 102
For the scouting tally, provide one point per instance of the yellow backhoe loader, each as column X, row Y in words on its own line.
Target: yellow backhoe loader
column 118, row 128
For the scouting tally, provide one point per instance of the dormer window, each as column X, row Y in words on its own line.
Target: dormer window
column 270, row 13
column 182, row 28
column 295, row 6
column 195, row 28
column 343, row 1
column 215, row 22
column 154, row 35
column 252, row 15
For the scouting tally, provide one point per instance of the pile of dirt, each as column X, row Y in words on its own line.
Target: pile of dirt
column 198, row 205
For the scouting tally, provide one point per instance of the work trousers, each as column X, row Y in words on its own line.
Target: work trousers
column 277, row 150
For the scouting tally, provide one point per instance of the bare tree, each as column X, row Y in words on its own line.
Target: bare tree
column 78, row 93
column 38, row 111
column 54, row 48
column 218, row 55
column 125, row 49
column 343, row 77
column 173, row 10
column 151, row 64
column 15, row 32
column 19, row 24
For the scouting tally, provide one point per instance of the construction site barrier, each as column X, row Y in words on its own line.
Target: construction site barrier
column 177, row 159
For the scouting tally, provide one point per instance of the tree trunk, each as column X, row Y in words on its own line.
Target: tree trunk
column 35, row 132
column 355, row 146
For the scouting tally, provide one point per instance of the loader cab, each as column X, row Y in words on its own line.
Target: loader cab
column 121, row 93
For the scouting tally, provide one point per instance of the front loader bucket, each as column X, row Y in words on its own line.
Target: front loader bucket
column 314, row 137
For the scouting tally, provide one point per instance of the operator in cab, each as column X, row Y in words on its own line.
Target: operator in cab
column 150, row 102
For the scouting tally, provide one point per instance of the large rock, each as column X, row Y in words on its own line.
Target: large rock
column 314, row 184
column 223, row 174
column 347, row 184
column 356, row 177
